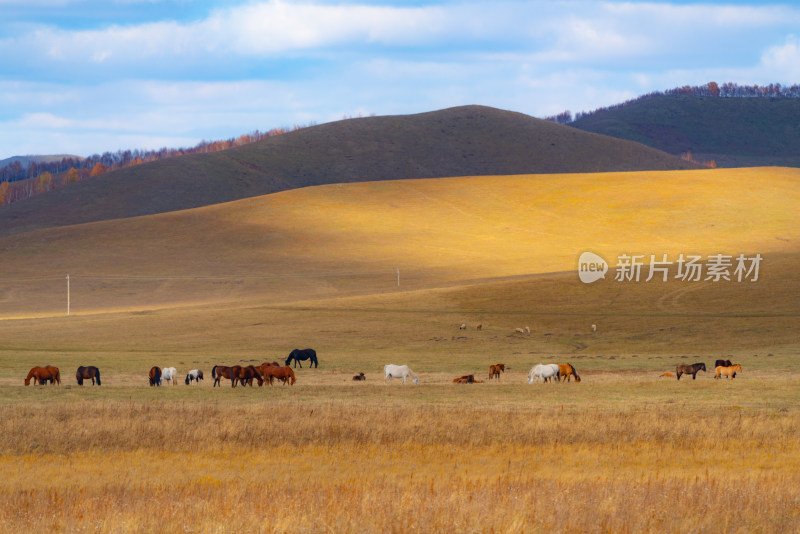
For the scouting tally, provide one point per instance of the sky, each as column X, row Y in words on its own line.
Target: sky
column 84, row 77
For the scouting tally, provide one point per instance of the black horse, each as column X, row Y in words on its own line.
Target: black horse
column 306, row 354
column 684, row 369
column 85, row 373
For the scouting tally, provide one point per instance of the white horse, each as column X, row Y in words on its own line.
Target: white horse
column 399, row 371
column 170, row 374
column 195, row 375
column 544, row 372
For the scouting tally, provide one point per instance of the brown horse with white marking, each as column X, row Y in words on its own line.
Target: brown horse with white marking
column 42, row 375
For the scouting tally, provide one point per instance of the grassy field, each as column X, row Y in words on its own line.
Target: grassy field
column 624, row 450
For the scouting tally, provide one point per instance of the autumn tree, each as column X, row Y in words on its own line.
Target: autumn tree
column 71, row 176
column 98, row 168
column 44, row 182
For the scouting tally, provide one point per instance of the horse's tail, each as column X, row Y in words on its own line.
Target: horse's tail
column 97, row 375
column 314, row 359
column 291, row 376
column 214, row 372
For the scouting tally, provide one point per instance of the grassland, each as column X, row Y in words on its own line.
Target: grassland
column 622, row 451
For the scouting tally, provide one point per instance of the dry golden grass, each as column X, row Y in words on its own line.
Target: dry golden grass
column 344, row 467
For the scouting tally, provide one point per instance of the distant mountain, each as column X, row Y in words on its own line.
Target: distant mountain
column 26, row 160
column 734, row 132
column 463, row 141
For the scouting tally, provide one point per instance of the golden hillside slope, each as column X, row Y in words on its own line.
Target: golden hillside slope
column 349, row 239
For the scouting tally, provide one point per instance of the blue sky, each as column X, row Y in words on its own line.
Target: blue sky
column 84, row 77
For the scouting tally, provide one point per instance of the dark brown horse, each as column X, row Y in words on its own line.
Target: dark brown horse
column 284, row 373
column 42, row 375
column 467, row 379
column 684, row 369
column 245, row 375
column 86, row 373
column 218, row 372
column 360, row 377
column 722, row 363
column 155, row 376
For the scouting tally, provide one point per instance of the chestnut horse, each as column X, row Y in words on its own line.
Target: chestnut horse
column 495, row 370
column 284, row 373
column 728, row 370
column 86, row 373
column 245, row 375
column 41, row 375
column 684, row 369
column 565, row 370
column 467, row 379
column 155, row 376
column 218, row 372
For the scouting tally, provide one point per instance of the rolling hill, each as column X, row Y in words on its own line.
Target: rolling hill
column 463, row 141
column 734, row 132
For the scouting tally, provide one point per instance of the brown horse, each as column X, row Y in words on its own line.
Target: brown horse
column 86, row 373
column 693, row 369
column 467, row 379
column 728, row 370
column 245, row 375
column 41, row 375
column 565, row 370
column 360, row 377
column 155, row 376
column 722, row 363
column 284, row 373
column 218, row 372
column 495, row 370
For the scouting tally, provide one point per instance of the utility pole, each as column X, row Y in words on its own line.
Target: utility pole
column 67, row 294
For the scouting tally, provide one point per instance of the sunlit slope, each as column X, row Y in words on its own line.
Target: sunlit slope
column 348, row 239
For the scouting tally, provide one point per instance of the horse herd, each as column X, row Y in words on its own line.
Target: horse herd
column 721, row 368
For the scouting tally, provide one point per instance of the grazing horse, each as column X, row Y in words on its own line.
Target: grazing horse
column 722, row 363
column 155, row 376
column 545, row 372
column 728, row 370
column 170, row 374
column 399, row 371
column 360, row 377
column 684, row 369
column 85, row 373
column 566, row 371
column 495, row 370
column 245, row 375
column 306, row 354
column 284, row 373
column 41, row 375
column 218, row 372
column 195, row 375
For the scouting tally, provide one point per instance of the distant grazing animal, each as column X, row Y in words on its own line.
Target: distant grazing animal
column 42, row 375
column 359, row 377
column 684, row 369
column 495, row 370
column 170, row 374
column 666, row 375
column 729, row 371
column 399, row 371
column 155, row 376
column 301, row 355
column 528, row 330
column 218, row 372
column 463, row 326
column 566, row 371
column 284, row 374
column 722, row 363
column 478, row 326
column 195, row 375
column 86, row 373
column 594, row 328
column 545, row 372
column 519, row 330
column 245, row 375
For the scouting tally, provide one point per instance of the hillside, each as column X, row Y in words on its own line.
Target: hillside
column 734, row 132
column 462, row 141
column 340, row 240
